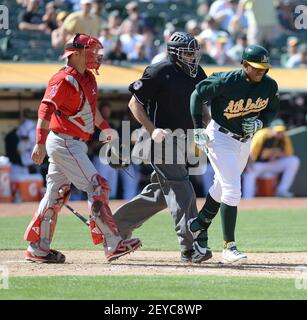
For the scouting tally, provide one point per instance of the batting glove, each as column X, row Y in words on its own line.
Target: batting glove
column 250, row 126
column 201, row 138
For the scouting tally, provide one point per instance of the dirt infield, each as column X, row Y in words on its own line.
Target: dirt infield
column 155, row 263
column 92, row 263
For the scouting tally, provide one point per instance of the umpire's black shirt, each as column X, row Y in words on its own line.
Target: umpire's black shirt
column 164, row 91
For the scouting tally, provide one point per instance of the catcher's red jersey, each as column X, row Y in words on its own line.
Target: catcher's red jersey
column 74, row 97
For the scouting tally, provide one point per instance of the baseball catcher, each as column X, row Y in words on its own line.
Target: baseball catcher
column 69, row 111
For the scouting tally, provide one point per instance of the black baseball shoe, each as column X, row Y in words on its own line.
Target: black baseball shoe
column 186, row 256
column 200, row 254
column 53, row 256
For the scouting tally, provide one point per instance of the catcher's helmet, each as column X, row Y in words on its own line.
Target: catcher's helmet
column 92, row 46
column 183, row 50
column 256, row 56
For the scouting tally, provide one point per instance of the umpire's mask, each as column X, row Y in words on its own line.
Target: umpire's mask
column 183, row 50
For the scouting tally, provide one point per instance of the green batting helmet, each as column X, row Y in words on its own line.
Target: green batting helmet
column 256, row 56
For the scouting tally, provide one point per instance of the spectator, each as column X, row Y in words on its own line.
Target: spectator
column 163, row 48
column 220, row 54
column 202, row 8
column 98, row 8
column 31, row 20
column 238, row 19
column 271, row 153
column 134, row 17
column 130, row 38
column 82, row 21
column 116, row 55
column 216, row 7
column 292, row 51
column 114, row 22
column 138, row 55
column 228, row 12
column 205, row 59
column 285, row 12
column 58, row 35
column 192, row 27
column 49, row 18
column 235, row 53
column 263, row 27
column 106, row 38
column 23, row 3
column 19, row 144
column 148, row 41
column 299, row 60
column 209, row 34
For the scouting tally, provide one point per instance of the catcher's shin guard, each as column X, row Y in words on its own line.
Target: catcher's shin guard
column 103, row 227
column 42, row 226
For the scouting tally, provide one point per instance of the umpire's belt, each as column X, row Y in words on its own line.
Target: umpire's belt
column 233, row 135
column 63, row 135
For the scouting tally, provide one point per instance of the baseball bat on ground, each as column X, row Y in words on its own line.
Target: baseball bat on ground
column 77, row 214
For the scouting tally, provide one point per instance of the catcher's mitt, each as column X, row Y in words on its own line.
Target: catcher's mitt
column 116, row 160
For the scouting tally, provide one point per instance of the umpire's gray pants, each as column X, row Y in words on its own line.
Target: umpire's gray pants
column 170, row 188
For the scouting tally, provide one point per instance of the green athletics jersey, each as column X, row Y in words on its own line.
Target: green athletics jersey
column 234, row 98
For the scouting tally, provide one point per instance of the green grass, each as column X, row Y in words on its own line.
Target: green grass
column 150, row 288
column 257, row 231
column 279, row 230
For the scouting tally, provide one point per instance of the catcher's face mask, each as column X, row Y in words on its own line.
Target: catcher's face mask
column 93, row 50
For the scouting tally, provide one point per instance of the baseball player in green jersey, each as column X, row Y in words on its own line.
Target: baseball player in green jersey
column 242, row 102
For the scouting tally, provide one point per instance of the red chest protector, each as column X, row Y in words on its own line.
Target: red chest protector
column 76, row 116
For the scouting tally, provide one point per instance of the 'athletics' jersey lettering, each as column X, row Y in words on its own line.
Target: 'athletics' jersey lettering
column 239, row 108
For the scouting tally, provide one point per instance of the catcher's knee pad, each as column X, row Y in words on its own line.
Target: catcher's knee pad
column 102, row 223
column 41, row 228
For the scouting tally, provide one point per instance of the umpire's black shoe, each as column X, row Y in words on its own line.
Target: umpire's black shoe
column 200, row 254
column 186, row 256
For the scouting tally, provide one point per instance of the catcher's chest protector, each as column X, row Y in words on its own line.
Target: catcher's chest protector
column 87, row 86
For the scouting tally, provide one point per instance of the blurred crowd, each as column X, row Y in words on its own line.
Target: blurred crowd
column 136, row 31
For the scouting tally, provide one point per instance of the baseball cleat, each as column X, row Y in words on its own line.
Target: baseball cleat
column 232, row 255
column 186, row 256
column 124, row 247
column 53, row 256
column 200, row 254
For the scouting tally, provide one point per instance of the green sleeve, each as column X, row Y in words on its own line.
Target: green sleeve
column 196, row 108
column 204, row 91
column 270, row 112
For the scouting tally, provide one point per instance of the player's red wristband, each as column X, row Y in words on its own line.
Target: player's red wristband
column 104, row 125
column 41, row 135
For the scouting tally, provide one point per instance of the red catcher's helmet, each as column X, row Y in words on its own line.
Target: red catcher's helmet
column 92, row 46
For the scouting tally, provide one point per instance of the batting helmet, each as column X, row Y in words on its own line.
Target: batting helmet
column 256, row 56
column 183, row 50
column 92, row 46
